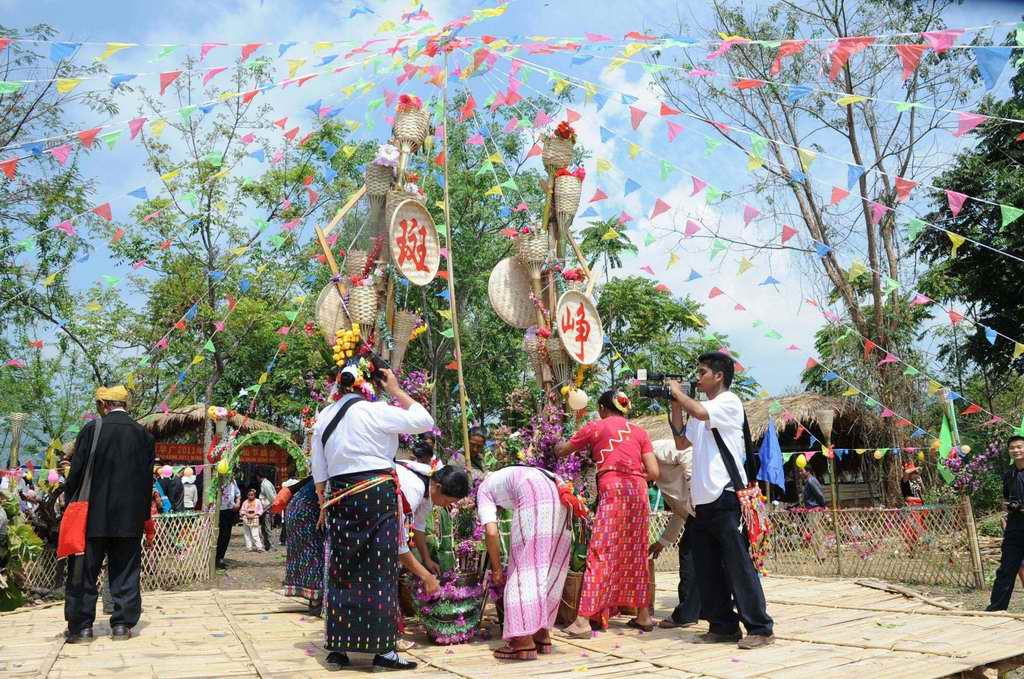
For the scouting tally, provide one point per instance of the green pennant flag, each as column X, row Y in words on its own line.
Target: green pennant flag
column 717, row 246
column 758, row 145
column 209, row 346
column 510, row 184
column 709, row 337
column 666, row 169
column 945, row 446
column 214, row 158
column 911, row 371
column 111, row 138
column 186, row 113
column 758, row 323
column 276, row 241
column 291, row 316
column 25, row 244
column 906, row 105
column 772, row 334
column 7, row 87
column 648, row 238
column 448, row 332
column 891, row 284
column 485, row 167
column 914, row 228
column 712, row 195
column 1010, row 213
column 870, row 402
column 710, row 145
column 775, row 407
column 262, row 224
column 111, row 281
column 191, row 198
column 144, row 362
column 166, row 50
column 375, row 104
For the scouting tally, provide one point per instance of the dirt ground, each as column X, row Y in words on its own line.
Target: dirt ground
column 250, row 570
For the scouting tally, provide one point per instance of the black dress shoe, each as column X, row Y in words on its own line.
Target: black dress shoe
column 82, row 636
column 337, row 660
column 120, row 632
column 381, row 663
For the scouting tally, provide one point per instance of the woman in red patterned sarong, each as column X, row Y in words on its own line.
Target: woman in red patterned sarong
column 617, row 575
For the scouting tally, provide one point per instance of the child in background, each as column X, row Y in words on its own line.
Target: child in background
column 251, row 511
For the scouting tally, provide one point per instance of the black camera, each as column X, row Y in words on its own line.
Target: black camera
column 377, row 365
column 1013, row 506
column 652, row 385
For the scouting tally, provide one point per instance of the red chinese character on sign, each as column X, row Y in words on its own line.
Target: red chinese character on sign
column 582, row 329
column 412, row 244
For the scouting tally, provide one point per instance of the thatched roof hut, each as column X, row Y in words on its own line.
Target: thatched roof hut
column 854, row 426
column 186, row 418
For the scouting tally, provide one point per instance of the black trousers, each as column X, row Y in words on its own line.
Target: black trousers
column 727, row 577
column 227, row 520
column 1009, row 564
column 688, row 610
column 266, row 521
column 124, row 563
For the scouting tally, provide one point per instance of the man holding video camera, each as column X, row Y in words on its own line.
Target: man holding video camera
column 727, row 577
column 1013, row 533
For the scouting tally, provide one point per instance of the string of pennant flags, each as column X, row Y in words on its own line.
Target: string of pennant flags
column 713, row 195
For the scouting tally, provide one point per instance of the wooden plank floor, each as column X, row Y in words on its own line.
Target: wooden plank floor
column 825, row 628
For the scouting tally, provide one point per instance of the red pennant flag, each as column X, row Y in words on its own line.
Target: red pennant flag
column 598, row 195
column 281, row 123
column 290, row 134
column 749, row 83
column 787, row 232
column 571, row 116
column 844, row 48
column 787, row 49
column 247, row 50
column 88, row 137
column 903, row 188
column 283, row 347
column 249, row 96
column 838, row 195
column 674, row 130
column 454, row 365
column 231, row 303
column 9, row 167
column 662, row 288
column 869, row 346
column 636, row 116
column 955, row 317
column 439, row 160
column 739, row 307
column 667, row 110
column 972, row 409
column 442, row 274
column 534, row 151
column 166, row 245
column 910, row 56
column 1019, row 137
column 36, row 344
column 166, row 79
column 313, row 196
column 467, row 109
column 715, row 292
column 660, row 208
column 4, row 42
column 903, row 422
column 633, row 35
column 810, row 364
column 103, row 211
column 118, row 235
column 180, row 325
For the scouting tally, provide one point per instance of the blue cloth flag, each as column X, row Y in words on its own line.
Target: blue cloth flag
column 284, row 47
column 771, row 458
column 797, row 92
column 631, row 186
column 991, row 62
column 139, row 193
column 853, row 174
column 693, row 275
column 118, row 79
column 601, row 100
column 63, row 50
column 821, row 249
column 606, row 134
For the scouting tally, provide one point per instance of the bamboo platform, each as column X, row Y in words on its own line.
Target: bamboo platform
column 824, row 628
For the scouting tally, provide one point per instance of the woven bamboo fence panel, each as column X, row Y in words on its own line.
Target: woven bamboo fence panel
column 179, row 556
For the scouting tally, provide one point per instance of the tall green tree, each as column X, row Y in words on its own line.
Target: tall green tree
column 603, row 242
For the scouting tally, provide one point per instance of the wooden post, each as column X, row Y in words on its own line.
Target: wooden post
column 835, row 510
column 456, row 335
column 965, row 504
column 344, row 210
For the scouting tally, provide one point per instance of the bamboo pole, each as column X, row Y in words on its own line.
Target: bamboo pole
column 453, row 306
column 965, row 503
column 344, row 210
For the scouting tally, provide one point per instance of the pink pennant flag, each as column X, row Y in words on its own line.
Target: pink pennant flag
column 838, row 195
column 390, row 97
column 522, row 207
column 661, row 287
column 61, row 153
column 596, row 37
column 811, row 362
column 889, row 358
column 468, row 108
column 135, row 126
column 281, row 123
column 792, row 347
column 162, row 344
column 139, row 264
column 674, row 130
column 750, row 213
column 920, row 300
column 290, row 226
column 967, row 122
column 910, row 56
column 667, row 110
column 598, row 195
column 103, row 211
column 151, row 215
column 886, row 413
column 313, row 196
column 956, row 201
column 995, row 420
column 699, row 73
column 571, row 116
column 692, row 227
column 660, row 208
column 218, row 326
column 715, row 292
column 625, row 217
column 284, row 330
column 787, row 233
column 541, row 119
column 164, row 408
column 647, row 269
column 698, row 186
column 207, row 47
column 476, row 139
column 511, row 125
column 247, row 138
column 739, row 307
column 808, row 454
column 903, row 188
column 67, row 227
column 15, row 363
column 285, row 204
column 535, row 150
column 166, row 79
column 247, row 50
column 955, row 317
column 877, row 210
column 940, row 41
column 636, row 115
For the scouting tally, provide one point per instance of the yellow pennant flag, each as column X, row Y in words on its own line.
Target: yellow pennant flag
column 218, row 175
column 933, row 387
column 240, row 250
column 439, row 205
column 754, row 163
column 560, row 85
column 367, row 87
column 857, row 269
column 494, row 191
column 673, row 259
column 263, row 378
column 93, row 307
column 589, row 90
column 349, row 90
column 197, row 359
column 1018, row 349
column 157, row 127
column 632, row 48
column 446, row 314
column 224, row 96
column 50, row 280
column 957, row 241
column 697, row 320
column 169, row 176
column 852, row 391
column 294, row 65
column 490, row 13
column 610, row 234
column 65, row 85
column 603, row 165
column 499, row 44
column 348, row 150
column 850, row 99
column 634, row 151
column 386, row 27
column 353, row 124
column 321, row 46
column 616, row 63
column 745, row 265
column 113, row 48
column 807, row 157
column 495, row 158
column 130, row 382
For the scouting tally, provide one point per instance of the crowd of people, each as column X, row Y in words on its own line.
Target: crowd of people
column 361, row 514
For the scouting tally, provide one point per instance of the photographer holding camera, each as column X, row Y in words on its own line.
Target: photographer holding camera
column 1013, row 533
column 354, row 446
column 721, row 554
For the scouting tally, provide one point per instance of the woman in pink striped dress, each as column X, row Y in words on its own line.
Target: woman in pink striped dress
column 538, row 555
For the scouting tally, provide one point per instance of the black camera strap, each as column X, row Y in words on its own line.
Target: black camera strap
column 354, row 398
column 730, row 462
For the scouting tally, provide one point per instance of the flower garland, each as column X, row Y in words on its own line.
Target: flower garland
column 565, row 131
column 387, row 156
column 409, row 102
column 579, row 173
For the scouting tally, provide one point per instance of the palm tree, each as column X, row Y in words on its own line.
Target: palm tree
column 604, row 240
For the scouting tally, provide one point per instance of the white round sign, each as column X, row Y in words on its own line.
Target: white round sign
column 579, row 327
column 414, row 245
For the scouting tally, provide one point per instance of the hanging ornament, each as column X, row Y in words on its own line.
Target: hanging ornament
column 222, row 467
column 578, row 400
column 801, row 461
column 878, row 454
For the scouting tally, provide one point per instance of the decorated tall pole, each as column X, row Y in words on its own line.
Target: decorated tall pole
column 456, row 335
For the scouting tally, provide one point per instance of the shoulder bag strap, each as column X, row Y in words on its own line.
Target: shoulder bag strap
column 83, row 490
column 337, row 418
column 420, row 475
column 728, row 461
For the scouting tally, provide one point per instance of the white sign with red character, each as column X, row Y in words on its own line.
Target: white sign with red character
column 414, row 245
column 579, row 327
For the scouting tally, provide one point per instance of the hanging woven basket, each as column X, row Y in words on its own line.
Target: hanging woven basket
column 362, row 305
column 557, row 153
column 355, row 262
column 532, row 249
column 567, row 199
column 411, row 127
column 379, row 179
column 330, row 313
column 405, row 323
column 531, row 345
column 561, row 364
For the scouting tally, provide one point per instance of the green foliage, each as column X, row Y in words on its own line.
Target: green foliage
column 599, row 245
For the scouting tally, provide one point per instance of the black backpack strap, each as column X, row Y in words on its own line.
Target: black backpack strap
column 422, row 477
column 337, row 418
column 83, row 490
column 728, row 461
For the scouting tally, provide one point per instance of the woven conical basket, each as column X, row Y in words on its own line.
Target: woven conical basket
column 379, row 179
column 330, row 313
column 362, row 305
column 567, row 199
column 355, row 261
column 557, row 153
column 531, row 345
column 532, row 249
column 411, row 127
column 405, row 323
column 561, row 364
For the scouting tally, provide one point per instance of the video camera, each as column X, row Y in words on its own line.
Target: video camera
column 652, row 384
column 376, row 366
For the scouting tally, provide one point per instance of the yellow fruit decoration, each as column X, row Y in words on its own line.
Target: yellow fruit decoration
column 920, row 456
column 801, row 461
column 878, row 455
column 222, row 467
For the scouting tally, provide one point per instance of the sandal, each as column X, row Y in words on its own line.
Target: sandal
column 636, row 625
column 506, row 652
column 544, row 647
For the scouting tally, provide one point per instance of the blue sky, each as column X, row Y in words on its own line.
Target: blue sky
column 193, row 22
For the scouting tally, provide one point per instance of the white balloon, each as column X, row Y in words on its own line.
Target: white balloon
column 578, row 399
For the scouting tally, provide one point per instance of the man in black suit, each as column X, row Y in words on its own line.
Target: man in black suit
column 120, row 493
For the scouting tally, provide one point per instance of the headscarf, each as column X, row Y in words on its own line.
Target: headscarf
column 117, row 394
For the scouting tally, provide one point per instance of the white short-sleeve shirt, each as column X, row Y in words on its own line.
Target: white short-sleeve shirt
column 417, row 495
column 710, row 475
